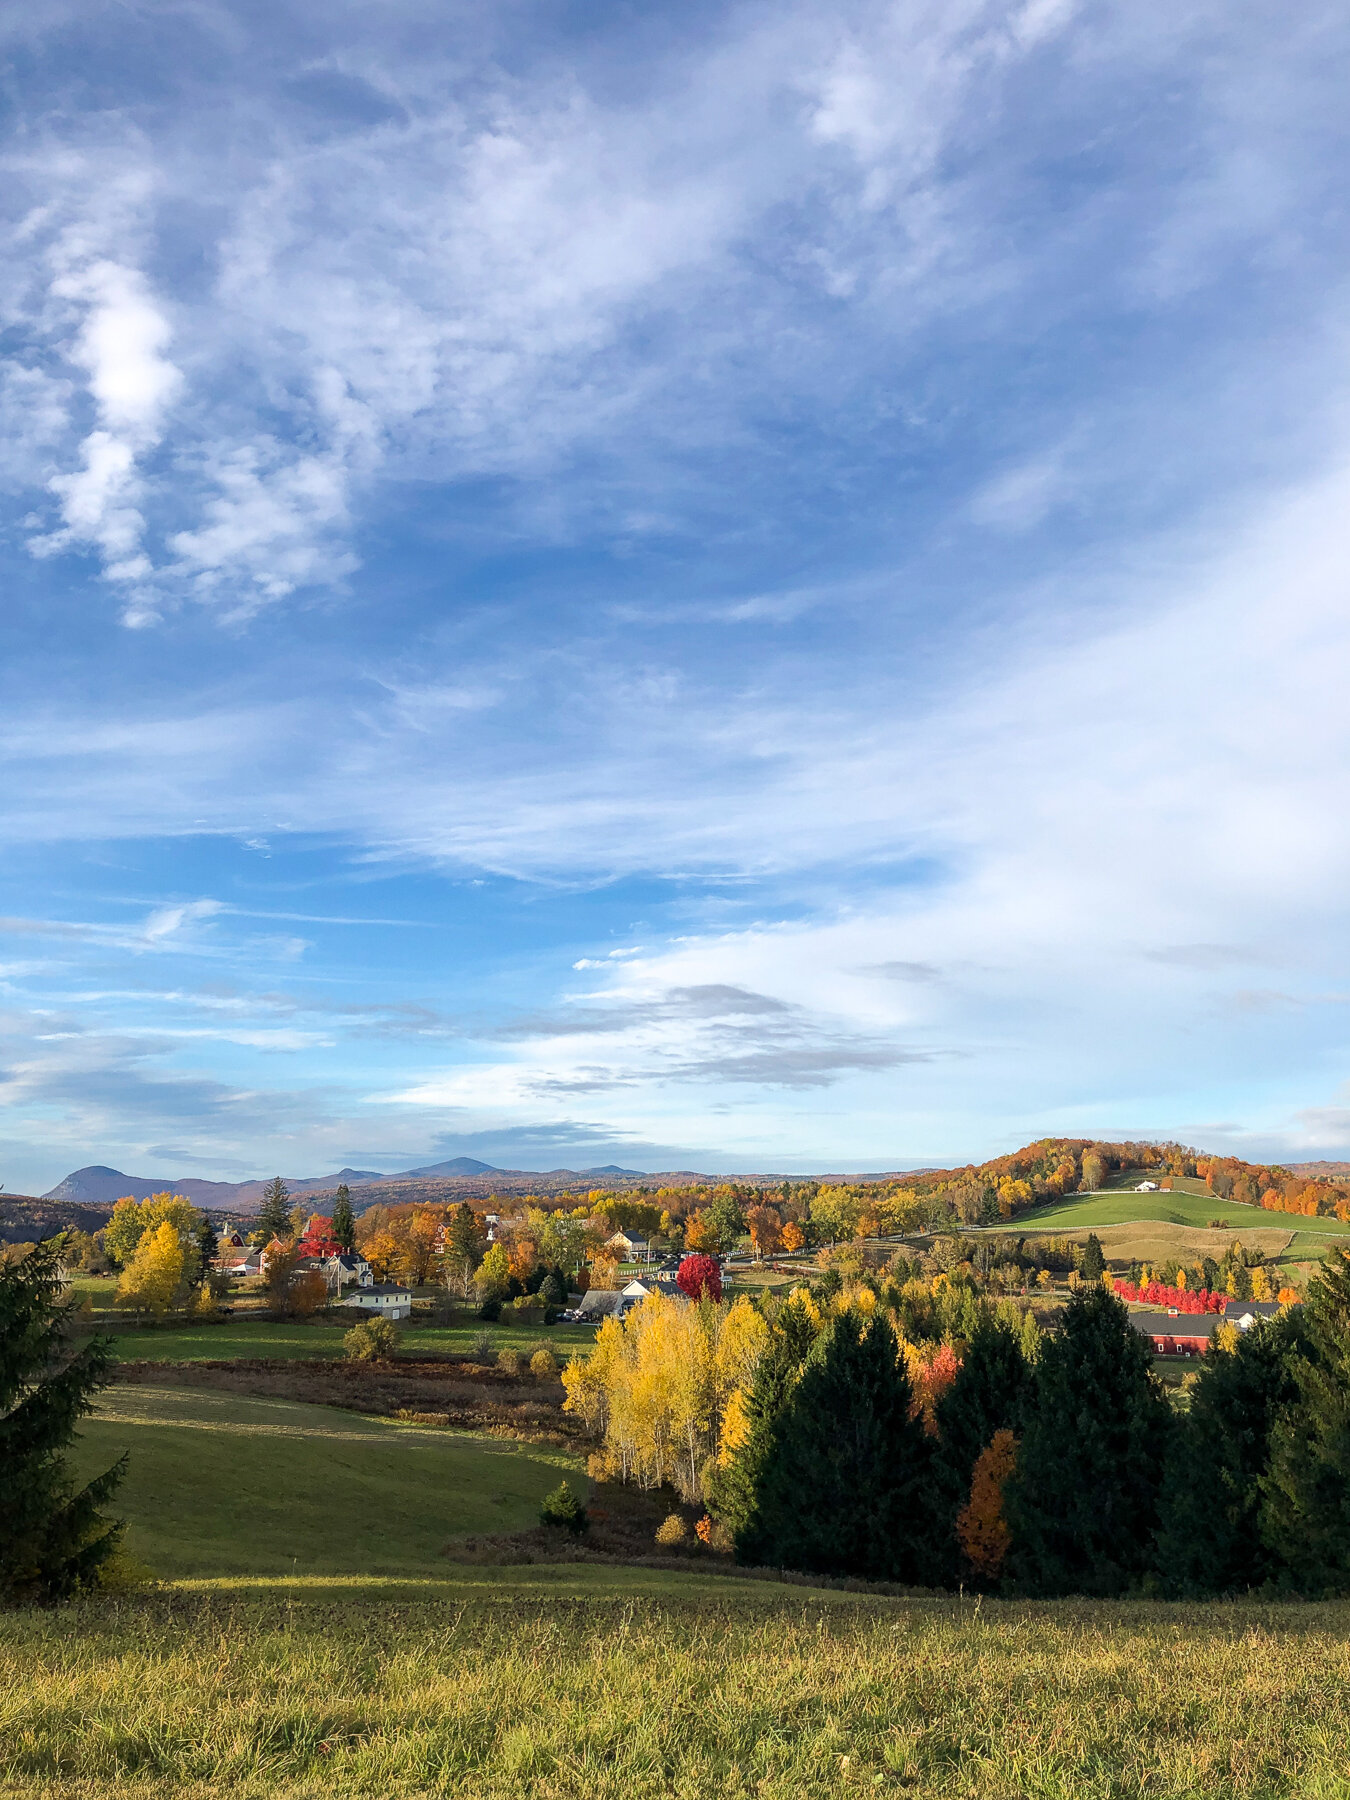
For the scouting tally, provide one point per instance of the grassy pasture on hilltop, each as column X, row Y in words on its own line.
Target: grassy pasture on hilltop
column 223, row 1484
column 597, row 1684
column 1282, row 1236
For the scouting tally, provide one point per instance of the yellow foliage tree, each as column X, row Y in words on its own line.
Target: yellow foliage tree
column 152, row 1280
column 384, row 1253
column 132, row 1219
column 658, row 1387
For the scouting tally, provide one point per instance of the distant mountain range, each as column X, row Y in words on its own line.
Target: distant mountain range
column 99, row 1185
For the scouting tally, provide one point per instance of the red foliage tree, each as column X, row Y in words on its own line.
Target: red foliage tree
column 700, row 1275
column 1186, row 1300
column 317, row 1238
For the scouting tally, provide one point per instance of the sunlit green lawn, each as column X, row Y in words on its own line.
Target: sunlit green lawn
column 1124, row 1207
column 226, row 1484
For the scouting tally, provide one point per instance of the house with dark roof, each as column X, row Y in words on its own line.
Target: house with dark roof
column 386, row 1302
column 1175, row 1333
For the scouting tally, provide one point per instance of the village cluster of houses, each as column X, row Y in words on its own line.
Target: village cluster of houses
column 320, row 1253
column 1172, row 1333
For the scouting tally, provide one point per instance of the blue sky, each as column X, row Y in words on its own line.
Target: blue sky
column 740, row 587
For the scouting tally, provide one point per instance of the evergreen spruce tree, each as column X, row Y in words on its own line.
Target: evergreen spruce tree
column 344, row 1221
column 1082, row 1502
column 993, row 1391
column 733, row 1488
column 1211, row 1540
column 1306, row 1511
column 843, row 1485
column 53, row 1536
column 1094, row 1263
column 274, row 1216
column 206, row 1246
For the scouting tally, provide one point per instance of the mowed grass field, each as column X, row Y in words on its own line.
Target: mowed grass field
column 262, row 1337
column 1308, row 1240
column 591, row 1684
column 224, row 1484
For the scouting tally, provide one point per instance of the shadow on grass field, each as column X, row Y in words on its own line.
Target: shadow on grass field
column 222, row 1484
column 589, row 1684
column 303, row 1339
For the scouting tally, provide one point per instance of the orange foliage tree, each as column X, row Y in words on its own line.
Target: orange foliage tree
column 766, row 1229
column 980, row 1526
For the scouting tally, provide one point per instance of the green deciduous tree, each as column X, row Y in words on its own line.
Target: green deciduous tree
column 373, row 1340
column 563, row 1241
column 53, row 1536
column 1211, row 1539
column 1082, row 1502
column 725, row 1219
column 843, row 1487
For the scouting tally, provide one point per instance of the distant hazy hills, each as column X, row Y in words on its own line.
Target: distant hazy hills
column 99, row 1185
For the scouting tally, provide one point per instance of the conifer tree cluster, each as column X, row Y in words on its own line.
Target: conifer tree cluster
column 53, row 1536
column 1067, row 1475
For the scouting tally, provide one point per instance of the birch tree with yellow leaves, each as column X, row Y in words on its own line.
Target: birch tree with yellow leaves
column 658, row 1388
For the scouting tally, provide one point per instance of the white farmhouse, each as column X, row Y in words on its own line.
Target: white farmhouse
column 385, row 1302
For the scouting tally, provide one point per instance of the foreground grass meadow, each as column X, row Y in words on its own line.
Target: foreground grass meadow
column 599, row 1683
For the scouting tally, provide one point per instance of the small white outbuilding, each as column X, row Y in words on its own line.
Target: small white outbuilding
column 386, row 1302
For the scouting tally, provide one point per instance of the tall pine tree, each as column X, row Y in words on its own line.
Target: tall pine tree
column 53, row 1536
column 1094, row 1263
column 1082, row 1501
column 733, row 1489
column 1211, row 1540
column 992, row 1392
column 344, row 1220
column 206, row 1245
column 1306, row 1511
column 843, row 1485
column 274, row 1215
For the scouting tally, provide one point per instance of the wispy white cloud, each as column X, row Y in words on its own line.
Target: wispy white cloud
column 119, row 344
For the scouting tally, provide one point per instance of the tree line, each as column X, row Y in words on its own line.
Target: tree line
column 959, row 1446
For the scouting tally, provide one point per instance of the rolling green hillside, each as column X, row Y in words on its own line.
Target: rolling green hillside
column 221, row 1484
column 1085, row 1212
